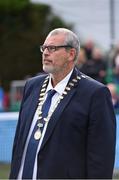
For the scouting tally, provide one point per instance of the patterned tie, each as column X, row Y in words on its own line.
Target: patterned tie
column 33, row 144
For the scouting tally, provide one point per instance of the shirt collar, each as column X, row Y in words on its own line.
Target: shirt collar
column 61, row 85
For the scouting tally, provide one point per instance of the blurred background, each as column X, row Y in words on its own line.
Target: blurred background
column 24, row 24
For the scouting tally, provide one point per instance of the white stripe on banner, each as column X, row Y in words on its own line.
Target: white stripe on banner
column 9, row 116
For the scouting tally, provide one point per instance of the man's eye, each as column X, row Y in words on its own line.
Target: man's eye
column 51, row 48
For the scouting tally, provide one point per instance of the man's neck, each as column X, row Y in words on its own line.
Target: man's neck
column 56, row 78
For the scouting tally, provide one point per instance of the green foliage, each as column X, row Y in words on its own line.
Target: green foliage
column 23, row 27
column 12, row 5
column 58, row 22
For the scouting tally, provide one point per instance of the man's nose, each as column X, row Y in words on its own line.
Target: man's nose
column 46, row 51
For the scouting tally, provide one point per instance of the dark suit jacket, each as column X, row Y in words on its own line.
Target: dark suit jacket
column 80, row 137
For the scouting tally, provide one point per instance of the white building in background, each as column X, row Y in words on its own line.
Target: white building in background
column 91, row 18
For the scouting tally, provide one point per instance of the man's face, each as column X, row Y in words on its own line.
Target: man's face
column 58, row 60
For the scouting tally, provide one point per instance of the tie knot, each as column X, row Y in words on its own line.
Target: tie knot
column 51, row 93
column 47, row 102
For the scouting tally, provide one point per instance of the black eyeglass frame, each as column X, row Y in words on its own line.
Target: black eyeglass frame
column 52, row 48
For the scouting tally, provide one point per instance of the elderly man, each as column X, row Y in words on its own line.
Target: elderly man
column 66, row 126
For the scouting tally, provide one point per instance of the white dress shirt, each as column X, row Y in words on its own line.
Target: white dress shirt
column 59, row 88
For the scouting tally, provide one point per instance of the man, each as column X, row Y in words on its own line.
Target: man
column 77, row 137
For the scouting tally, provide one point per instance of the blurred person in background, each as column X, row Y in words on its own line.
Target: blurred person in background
column 66, row 126
column 96, row 67
column 115, row 97
column 1, row 98
column 99, row 65
column 88, row 47
column 81, row 59
column 6, row 101
column 116, row 66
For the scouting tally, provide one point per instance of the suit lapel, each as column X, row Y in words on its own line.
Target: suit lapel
column 31, row 108
column 55, row 118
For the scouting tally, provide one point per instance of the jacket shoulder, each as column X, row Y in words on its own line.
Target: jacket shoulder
column 90, row 85
column 33, row 83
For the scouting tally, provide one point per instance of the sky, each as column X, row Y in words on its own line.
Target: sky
column 90, row 18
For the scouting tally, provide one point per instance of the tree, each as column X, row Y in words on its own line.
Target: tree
column 23, row 27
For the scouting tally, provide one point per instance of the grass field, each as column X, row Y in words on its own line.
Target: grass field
column 4, row 171
column 116, row 174
column 5, row 168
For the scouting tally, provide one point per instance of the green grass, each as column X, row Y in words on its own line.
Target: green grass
column 116, row 174
column 4, row 171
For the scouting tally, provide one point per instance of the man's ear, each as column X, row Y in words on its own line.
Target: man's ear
column 72, row 54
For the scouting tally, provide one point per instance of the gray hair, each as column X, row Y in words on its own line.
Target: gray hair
column 71, row 39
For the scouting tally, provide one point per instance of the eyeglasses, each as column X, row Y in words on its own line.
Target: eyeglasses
column 52, row 48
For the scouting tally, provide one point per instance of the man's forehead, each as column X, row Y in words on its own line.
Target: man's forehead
column 55, row 38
